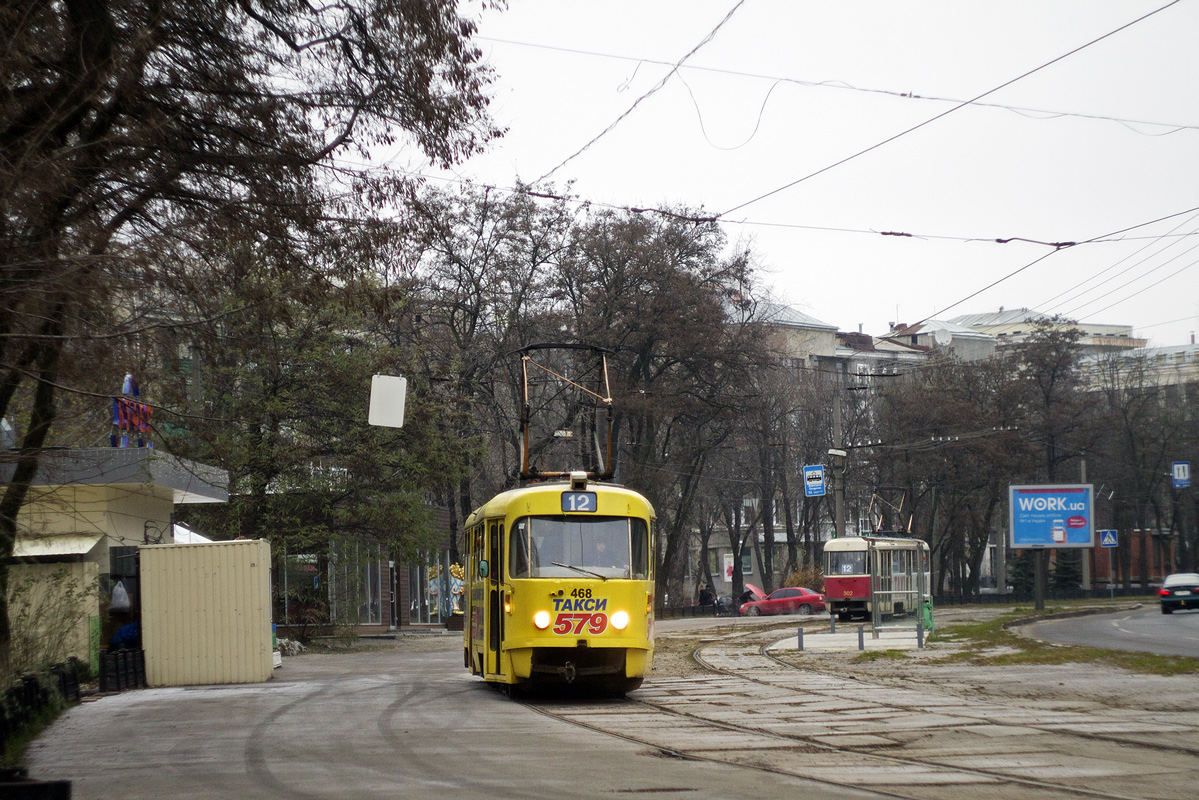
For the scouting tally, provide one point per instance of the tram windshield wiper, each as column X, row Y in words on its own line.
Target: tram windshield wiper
column 580, row 569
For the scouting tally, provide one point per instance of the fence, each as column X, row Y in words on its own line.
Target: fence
column 940, row 601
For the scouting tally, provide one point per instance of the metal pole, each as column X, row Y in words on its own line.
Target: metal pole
column 801, row 638
column 838, row 468
column 920, row 627
column 1039, row 559
column 876, row 589
column 861, row 637
column 832, row 623
column 1087, row 557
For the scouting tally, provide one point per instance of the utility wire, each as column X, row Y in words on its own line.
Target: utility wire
column 707, row 219
column 1035, row 261
column 842, row 85
column 1139, row 291
column 1046, row 305
column 652, row 91
column 1168, row 322
column 1127, row 283
column 958, row 107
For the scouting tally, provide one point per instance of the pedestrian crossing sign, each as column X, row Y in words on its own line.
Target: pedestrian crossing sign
column 1107, row 538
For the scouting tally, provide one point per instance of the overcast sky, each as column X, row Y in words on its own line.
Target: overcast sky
column 1102, row 140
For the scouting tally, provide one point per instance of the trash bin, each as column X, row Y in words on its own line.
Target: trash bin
column 927, row 611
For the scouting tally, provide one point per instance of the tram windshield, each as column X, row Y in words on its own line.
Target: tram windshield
column 558, row 546
column 845, row 563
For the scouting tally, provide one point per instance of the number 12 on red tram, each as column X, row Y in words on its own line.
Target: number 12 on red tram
column 868, row 574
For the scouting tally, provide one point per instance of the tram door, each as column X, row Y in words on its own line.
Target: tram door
column 495, row 606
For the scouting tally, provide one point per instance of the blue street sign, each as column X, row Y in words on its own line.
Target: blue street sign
column 1108, row 538
column 1051, row 516
column 813, row 481
column 1182, row 474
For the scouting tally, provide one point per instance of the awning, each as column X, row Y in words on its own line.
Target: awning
column 69, row 544
column 185, row 535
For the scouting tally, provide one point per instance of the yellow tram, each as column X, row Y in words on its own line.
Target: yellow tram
column 559, row 586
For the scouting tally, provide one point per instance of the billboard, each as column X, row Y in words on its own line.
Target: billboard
column 1051, row 516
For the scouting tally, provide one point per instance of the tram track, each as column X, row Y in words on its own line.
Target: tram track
column 921, row 746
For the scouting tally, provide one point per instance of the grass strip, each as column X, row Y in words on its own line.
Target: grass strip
column 994, row 643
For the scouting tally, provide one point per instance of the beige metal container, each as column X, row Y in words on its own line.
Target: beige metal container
column 206, row 612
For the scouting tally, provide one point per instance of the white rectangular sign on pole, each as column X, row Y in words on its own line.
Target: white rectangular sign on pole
column 388, row 394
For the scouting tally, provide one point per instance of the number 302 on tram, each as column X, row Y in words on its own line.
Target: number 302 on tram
column 868, row 574
column 560, row 588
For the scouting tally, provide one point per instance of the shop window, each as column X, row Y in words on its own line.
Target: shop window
column 355, row 584
column 434, row 591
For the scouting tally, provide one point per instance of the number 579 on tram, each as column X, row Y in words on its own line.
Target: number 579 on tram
column 560, row 586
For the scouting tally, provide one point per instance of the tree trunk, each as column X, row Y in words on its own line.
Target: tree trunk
column 28, row 460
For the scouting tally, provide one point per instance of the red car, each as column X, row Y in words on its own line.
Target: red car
column 792, row 600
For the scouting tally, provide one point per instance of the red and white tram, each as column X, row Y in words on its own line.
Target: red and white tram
column 872, row 577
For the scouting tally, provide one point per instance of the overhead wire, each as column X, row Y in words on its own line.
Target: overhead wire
column 653, row 90
column 1046, row 304
column 1129, row 282
column 703, row 129
column 1018, row 270
column 1194, row 316
column 1142, row 290
column 844, row 86
column 545, row 194
column 946, row 113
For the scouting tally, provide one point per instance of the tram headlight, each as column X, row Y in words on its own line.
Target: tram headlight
column 620, row 620
column 542, row 620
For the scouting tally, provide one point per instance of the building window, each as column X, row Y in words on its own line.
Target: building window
column 355, row 584
column 747, row 563
column 433, row 592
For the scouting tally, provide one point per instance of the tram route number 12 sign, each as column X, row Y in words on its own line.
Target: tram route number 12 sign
column 1055, row 516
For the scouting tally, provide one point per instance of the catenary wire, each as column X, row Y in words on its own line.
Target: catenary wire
column 1046, row 305
column 946, row 113
column 842, row 85
column 653, row 90
column 1129, row 282
column 1140, row 291
column 1018, row 270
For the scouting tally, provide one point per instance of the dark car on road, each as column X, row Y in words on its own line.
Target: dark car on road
column 791, row 600
column 1180, row 590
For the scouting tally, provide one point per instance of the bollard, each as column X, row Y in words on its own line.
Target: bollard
column 920, row 631
column 801, row 638
column 861, row 637
column 832, row 623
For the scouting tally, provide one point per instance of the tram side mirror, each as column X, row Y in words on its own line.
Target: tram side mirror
column 483, row 569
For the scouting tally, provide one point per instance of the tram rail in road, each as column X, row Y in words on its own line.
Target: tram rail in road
column 758, row 713
column 402, row 721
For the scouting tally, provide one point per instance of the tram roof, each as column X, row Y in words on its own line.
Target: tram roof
column 886, row 542
column 498, row 505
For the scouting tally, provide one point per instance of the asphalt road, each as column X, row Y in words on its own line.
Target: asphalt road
column 382, row 724
column 405, row 720
column 1143, row 630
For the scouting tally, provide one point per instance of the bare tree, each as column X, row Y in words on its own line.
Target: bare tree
column 126, row 130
